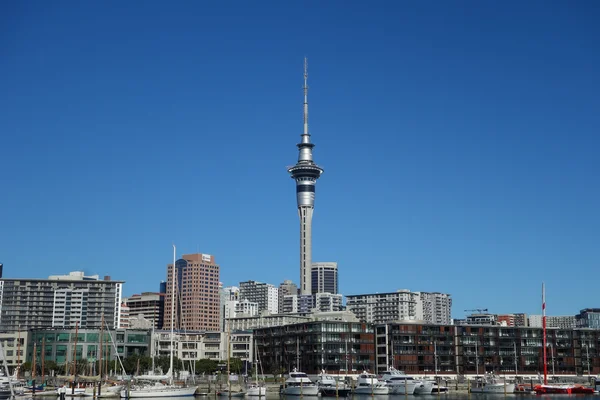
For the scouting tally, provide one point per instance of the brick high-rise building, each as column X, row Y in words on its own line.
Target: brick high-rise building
column 197, row 302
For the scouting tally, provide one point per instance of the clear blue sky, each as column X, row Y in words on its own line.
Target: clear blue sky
column 460, row 143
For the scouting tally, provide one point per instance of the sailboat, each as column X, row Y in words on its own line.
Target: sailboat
column 256, row 389
column 545, row 388
column 228, row 392
column 159, row 389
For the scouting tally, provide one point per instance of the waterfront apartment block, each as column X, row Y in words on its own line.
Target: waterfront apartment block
column 334, row 346
column 262, row 320
column 197, row 303
column 265, row 294
column 14, row 345
column 191, row 346
column 324, row 277
column 61, row 301
column 560, row 321
column 379, row 308
column 149, row 305
column 472, row 350
column 84, row 346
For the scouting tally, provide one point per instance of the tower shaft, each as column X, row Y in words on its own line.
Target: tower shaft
column 305, row 173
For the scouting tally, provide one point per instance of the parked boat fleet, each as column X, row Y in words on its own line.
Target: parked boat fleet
column 391, row 382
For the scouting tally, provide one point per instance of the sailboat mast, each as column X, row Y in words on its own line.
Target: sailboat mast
column 43, row 356
column 33, row 362
column 100, row 345
column 544, row 334
column 515, row 346
column 477, row 353
column 172, row 312
column 435, row 356
column 75, row 349
column 297, row 354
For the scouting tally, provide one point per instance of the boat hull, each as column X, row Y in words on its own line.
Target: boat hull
column 256, row 391
column 308, row 390
column 551, row 389
column 333, row 392
column 401, row 388
column 499, row 388
column 158, row 392
column 372, row 390
column 424, row 387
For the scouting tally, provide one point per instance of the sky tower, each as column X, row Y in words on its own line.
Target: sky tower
column 305, row 173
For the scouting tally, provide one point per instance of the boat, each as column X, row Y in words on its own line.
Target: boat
column 544, row 388
column 491, row 383
column 553, row 389
column 256, row 389
column 437, row 388
column 423, row 387
column 331, row 387
column 367, row 383
column 159, row 389
column 106, row 390
column 227, row 393
column 582, row 390
column 398, row 382
column 299, row 384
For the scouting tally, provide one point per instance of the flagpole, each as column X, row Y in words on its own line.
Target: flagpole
column 544, row 329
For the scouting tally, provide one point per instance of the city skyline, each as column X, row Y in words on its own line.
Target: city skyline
column 459, row 146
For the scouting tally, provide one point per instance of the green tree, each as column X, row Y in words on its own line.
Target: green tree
column 206, row 366
column 164, row 362
column 50, row 366
column 235, row 365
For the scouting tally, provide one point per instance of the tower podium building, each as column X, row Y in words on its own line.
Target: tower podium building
column 305, row 173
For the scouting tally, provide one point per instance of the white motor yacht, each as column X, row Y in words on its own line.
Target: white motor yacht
column 368, row 383
column 491, row 383
column 399, row 383
column 299, row 384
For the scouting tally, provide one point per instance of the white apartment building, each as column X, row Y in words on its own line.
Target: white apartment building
column 380, row 308
column 327, row 302
column 435, row 308
column 263, row 320
column 561, row 321
column 124, row 316
column 239, row 308
column 192, row 346
column 265, row 294
column 61, row 301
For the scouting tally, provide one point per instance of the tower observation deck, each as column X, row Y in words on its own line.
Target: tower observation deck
column 305, row 173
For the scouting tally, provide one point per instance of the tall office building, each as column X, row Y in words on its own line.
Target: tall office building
column 149, row 305
column 324, row 277
column 61, row 301
column 265, row 294
column 197, row 302
column 305, row 173
column 287, row 287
